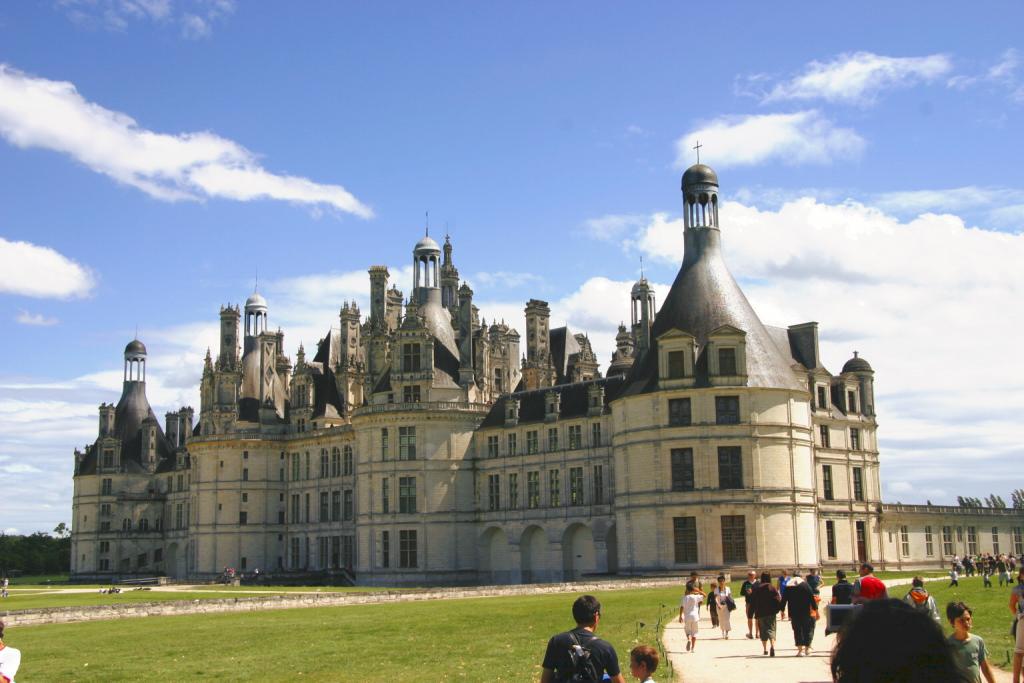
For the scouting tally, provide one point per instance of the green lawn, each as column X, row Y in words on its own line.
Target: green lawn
column 486, row 639
column 989, row 606
column 37, row 600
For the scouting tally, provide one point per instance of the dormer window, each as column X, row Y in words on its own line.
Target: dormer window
column 822, row 398
column 676, row 365
column 676, row 356
column 851, row 401
column 727, row 361
column 410, row 357
column 726, row 354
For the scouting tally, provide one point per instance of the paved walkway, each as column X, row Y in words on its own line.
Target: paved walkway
column 739, row 660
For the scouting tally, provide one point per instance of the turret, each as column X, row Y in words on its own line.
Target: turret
column 106, row 419
column 449, row 278
column 466, row 372
column 135, row 362
column 227, row 359
column 378, row 295
column 866, row 378
column 642, row 306
column 255, row 315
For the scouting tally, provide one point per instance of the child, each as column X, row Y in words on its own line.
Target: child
column 643, row 662
column 968, row 649
column 954, row 578
column 689, row 613
column 986, row 575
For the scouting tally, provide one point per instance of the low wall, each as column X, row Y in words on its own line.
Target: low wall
column 63, row 615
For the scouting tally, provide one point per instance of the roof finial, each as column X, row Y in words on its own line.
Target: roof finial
column 854, row 354
column 697, row 147
column 428, row 224
column 641, row 267
column 256, row 285
column 136, row 332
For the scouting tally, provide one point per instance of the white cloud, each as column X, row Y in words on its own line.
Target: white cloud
column 1002, row 74
column 196, row 17
column 31, row 270
column 34, row 319
column 506, row 278
column 803, row 137
column 918, row 298
column 858, row 78
column 1003, row 206
column 611, row 227
column 36, row 112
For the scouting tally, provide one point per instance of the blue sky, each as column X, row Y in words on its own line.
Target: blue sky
column 154, row 154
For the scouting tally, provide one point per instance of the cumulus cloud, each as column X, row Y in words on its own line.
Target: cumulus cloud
column 53, row 115
column 31, row 270
column 1002, row 74
column 803, row 137
column 34, row 319
column 857, row 78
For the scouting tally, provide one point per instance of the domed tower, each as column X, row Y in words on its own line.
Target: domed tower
column 135, row 361
column 255, row 315
column 866, row 378
column 426, row 294
column 700, row 197
column 642, row 307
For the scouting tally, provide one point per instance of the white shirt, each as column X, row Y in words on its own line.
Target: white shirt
column 10, row 660
column 691, row 605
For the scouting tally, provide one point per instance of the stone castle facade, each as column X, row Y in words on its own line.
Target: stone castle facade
column 420, row 445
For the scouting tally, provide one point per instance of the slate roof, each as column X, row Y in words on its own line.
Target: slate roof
column 573, row 402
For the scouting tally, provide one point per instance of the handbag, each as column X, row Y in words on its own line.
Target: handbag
column 730, row 603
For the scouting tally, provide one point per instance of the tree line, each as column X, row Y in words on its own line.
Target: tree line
column 38, row 553
column 993, row 501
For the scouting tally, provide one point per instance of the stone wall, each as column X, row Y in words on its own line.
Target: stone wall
column 63, row 615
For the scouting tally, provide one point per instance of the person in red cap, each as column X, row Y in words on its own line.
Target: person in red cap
column 868, row 587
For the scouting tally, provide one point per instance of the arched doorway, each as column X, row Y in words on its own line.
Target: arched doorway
column 533, row 549
column 495, row 557
column 578, row 552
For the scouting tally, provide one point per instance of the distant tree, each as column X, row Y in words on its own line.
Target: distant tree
column 61, row 530
column 1017, row 496
column 38, row 553
column 969, row 502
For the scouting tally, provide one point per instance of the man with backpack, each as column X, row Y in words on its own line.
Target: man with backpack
column 579, row 656
column 919, row 599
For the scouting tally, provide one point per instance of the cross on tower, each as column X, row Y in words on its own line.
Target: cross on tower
column 697, row 147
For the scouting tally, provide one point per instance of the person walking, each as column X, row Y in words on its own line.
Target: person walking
column 814, row 580
column 783, row 580
column 746, row 589
column 10, row 659
column 868, row 587
column 799, row 597
column 722, row 598
column 1004, row 572
column 968, row 649
column 1017, row 608
column 842, row 596
column 558, row 664
column 766, row 600
column 689, row 613
column 919, row 599
column 954, row 578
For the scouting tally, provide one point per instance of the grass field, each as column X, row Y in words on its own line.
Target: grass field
column 989, row 606
column 489, row 639
column 40, row 599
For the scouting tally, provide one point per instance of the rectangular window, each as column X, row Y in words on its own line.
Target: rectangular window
column 385, row 549
column 323, row 546
column 492, row 446
column 295, row 509
column 407, row 495
column 730, row 467
column 854, row 439
column 406, row 443
column 1018, row 541
column 348, row 550
column 905, row 540
column 575, row 436
column 104, row 526
column 727, row 410
column 295, row 466
column 104, row 565
column 411, row 394
column 679, row 412
column 178, row 516
column 349, row 462
column 349, row 509
column 830, row 539
column 858, row 483
column 576, row 486
column 676, row 366
column 325, row 507
column 335, row 552
column 181, row 482
column 411, row 357
column 243, row 517
column 727, row 361
column 531, row 442
column 105, row 509
column 734, row 539
column 684, row 534
column 511, row 444
column 598, row 485
column 306, row 461
column 553, row 438
column 554, row 488
column 513, row 491
column 972, row 540
column 104, row 546
column 826, row 480
column 533, row 489
column 929, row 546
column 822, row 401
column 851, row 401
column 407, row 549
column 325, row 464
column 493, row 492
column 295, row 553
column 682, row 469
column 107, row 488
column 947, row 540
column 826, row 440
column 335, row 506
column 385, row 494
column 108, row 458
column 959, row 534
column 595, row 434
column 335, row 463
column 995, row 540
column 384, row 443
column 306, row 517
column 245, row 474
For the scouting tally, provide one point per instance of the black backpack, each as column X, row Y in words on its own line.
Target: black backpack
column 584, row 668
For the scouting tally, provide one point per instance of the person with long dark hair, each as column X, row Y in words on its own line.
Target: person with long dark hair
column 799, row 597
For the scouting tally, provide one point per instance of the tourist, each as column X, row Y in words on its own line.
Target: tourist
column 689, row 613
column 643, row 662
column 766, row 600
column 1017, row 608
column 887, row 640
column 557, row 661
column 954, row 578
column 783, row 580
column 986, row 576
column 10, row 659
column 722, row 598
column 842, row 591
column 968, row 648
column 695, row 578
column 868, row 587
column 920, row 599
column 3, row 588
column 799, row 597
column 1004, row 572
column 746, row 589
column 814, row 581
